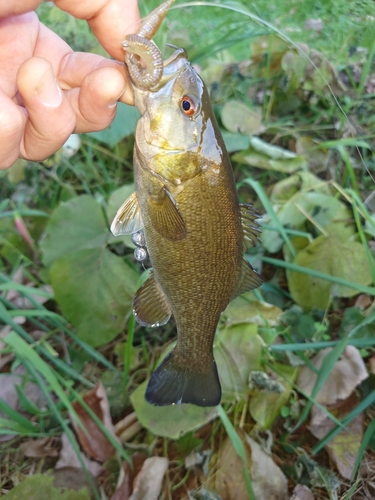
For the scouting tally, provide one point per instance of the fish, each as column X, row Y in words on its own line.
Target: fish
column 186, row 213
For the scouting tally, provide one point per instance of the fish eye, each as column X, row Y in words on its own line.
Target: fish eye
column 188, row 105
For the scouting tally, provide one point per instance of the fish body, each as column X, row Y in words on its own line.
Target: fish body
column 186, row 203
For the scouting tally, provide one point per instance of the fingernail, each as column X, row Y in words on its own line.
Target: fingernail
column 49, row 91
column 113, row 102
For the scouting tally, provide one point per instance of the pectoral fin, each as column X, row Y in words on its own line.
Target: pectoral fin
column 150, row 306
column 165, row 216
column 250, row 226
column 128, row 219
column 249, row 279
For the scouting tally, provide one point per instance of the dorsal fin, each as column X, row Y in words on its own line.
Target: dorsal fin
column 150, row 306
column 250, row 226
column 128, row 219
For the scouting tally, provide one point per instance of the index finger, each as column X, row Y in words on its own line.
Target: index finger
column 110, row 20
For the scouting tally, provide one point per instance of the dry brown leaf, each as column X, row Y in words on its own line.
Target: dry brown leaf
column 38, row 448
column 147, row 484
column 267, row 478
column 371, row 364
column 69, row 459
column 124, row 483
column 127, row 474
column 302, row 492
column 93, row 441
column 363, row 301
column 8, row 393
column 128, row 427
column 344, row 447
column 348, row 372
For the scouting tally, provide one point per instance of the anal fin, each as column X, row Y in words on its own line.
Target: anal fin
column 150, row 306
column 249, row 279
column 128, row 219
column 166, row 218
column 250, row 226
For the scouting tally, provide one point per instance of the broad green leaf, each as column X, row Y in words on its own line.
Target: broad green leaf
column 326, row 212
column 172, row 421
column 247, row 309
column 40, row 487
column 238, row 351
column 75, row 225
column 331, row 255
column 235, row 142
column 301, row 181
column 265, row 406
column 261, row 154
column 94, row 289
column 123, row 125
column 237, row 117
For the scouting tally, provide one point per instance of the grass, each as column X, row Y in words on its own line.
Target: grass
column 54, row 362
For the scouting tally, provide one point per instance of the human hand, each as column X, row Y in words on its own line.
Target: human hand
column 47, row 91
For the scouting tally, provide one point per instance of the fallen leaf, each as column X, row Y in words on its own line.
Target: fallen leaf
column 69, row 459
column 9, row 382
column 265, row 405
column 316, row 158
column 247, row 309
column 347, row 373
column 148, row 483
column 93, row 441
column 238, row 351
column 344, row 447
column 330, row 255
column 264, row 155
column 363, row 301
column 302, row 492
column 128, row 427
column 237, row 117
column 170, row 421
column 38, row 448
column 124, row 483
column 268, row 480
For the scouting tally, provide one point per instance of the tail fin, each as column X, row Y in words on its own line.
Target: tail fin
column 172, row 383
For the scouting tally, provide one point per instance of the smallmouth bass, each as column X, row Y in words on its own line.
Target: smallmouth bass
column 186, row 204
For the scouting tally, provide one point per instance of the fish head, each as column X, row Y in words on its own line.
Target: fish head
column 175, row 112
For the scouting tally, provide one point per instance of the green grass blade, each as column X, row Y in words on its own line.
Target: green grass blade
column 318, row 274
column 238, row 447
column 7, row 319
column 365, row 441
column 362, row 406
column 25, row 351
column 364, row 242
column 40, row 382
column 16, row 418
column 317, row 346
column 269, row 209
